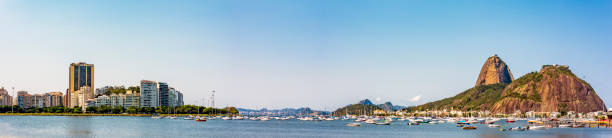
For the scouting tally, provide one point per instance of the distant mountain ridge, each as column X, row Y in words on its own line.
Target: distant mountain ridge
column 366, row 107
column 281, row 112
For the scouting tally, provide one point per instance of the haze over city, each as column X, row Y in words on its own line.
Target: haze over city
column 318, row 54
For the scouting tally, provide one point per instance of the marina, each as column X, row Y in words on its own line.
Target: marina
column 127, row 126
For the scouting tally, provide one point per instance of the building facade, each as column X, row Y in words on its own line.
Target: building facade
column 53, row 99
column 149, row 94
column 80, row 75
column 103, row 100
column 5, row 98
column 80, row 97
column 117, row 99
column 132, row 99
column 24, row 99
column 164, row 94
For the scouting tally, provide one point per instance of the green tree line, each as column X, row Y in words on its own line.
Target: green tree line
column 185, row 109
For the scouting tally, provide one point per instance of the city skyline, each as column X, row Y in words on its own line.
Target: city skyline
column 329, row 54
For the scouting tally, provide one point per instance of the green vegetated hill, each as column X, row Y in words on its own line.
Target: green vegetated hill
column 553, row 89
column 481, row 97
column 356, row 109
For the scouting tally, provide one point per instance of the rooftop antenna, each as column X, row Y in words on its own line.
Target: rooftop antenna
column 213, row 98
column 13, row 104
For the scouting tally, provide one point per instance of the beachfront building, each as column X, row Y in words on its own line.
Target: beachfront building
column 117, row 99
column 180, row 98
column 164, row 94
column 81, row 75
column 149, row 94
column 132, row 99
column 5, row 98
column 102, row 100
column 24, row 99
column 53, row 99
column 38, row 100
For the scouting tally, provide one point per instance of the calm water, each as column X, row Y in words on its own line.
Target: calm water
column 61, row 126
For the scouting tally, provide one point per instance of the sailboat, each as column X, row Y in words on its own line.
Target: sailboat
column 198, row 118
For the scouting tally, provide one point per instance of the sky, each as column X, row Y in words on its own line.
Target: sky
column 301, row 53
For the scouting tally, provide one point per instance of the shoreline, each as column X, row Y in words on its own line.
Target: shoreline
column 94, row 114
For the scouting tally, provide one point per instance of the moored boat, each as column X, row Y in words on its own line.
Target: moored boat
column 353, row 124
column 200, row 119
column 468, row 127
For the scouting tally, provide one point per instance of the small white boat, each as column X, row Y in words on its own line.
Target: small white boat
column 188, row 118
column 433, row 122
column 493, row 125
column 412, row 123
column 226, row 118
column 386, row 122
column 536, row 127
column 156, row 117
column 370, row 121
column 565, row 126
column 353, row 124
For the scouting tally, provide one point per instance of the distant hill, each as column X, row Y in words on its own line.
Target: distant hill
column 366, row 102
column 281, row 112
column 356, row 109
column 366, row 107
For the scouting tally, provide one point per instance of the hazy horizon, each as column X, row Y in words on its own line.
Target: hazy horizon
column 317, row 54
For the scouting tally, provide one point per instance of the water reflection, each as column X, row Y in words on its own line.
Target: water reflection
column 79, row 126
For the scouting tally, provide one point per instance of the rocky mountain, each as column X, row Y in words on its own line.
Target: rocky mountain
column 494, row 71
column 553, row 89
column 356, row 109
column 479, row 98
column 366, row 102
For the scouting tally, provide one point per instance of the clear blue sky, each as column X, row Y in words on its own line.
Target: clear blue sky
column 290, row 53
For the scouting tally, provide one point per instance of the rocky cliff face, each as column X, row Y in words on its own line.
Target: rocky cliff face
column 494, row 71
column 552, row 89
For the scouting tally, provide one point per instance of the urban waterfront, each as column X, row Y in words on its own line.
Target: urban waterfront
column 119, row 126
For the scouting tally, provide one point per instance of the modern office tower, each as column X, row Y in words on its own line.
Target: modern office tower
column 81, row 74
column 149, row 94
column 180, row 98
column 132, row 99
column 53, row 99
column 164, row 94
column 5, row 98
column 24, row 99
column 172, row 97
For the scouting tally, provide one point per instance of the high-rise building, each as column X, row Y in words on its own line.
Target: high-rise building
column 164, row 94
column 149, row 94
column 5, row 98
column 180, row 98
column 24, row 99
column 81, row 74
column 66, row 98
column 53, row 99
